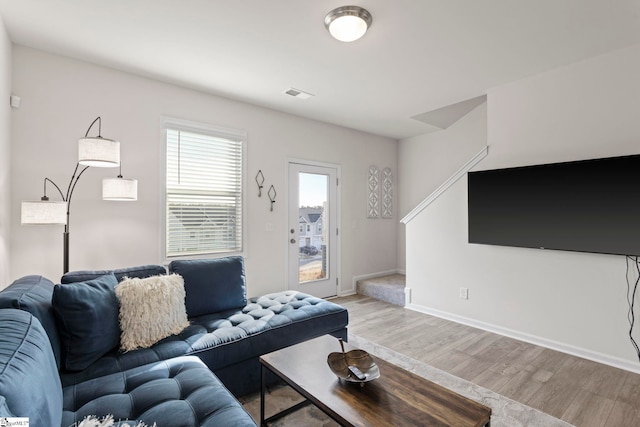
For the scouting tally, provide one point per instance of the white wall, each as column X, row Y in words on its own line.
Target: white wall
column 429, row 160
column 60, row 98
column 5, row 150
column 575, row 302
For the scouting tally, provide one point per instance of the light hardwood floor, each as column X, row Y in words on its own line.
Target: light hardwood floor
column 579, row 391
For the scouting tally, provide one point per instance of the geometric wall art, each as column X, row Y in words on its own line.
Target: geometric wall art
column 387, row 193
column 373, row 199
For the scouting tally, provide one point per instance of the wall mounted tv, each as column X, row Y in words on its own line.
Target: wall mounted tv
column 585, row 206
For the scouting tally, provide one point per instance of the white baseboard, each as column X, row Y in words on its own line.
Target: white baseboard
column 532, row 339
column 407, row 296
column 346, row 293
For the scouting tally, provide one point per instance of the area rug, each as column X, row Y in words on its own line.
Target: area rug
column 505, row 412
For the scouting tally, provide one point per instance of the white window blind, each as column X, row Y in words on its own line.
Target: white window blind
column 203, row 193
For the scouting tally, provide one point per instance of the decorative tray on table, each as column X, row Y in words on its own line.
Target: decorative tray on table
column 355, row 366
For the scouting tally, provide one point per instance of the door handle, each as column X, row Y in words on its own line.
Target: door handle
column 292, row 240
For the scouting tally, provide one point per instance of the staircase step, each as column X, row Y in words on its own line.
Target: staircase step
column 386, row 288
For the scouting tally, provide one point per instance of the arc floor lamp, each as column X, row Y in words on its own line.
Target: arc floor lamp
column 93, row 151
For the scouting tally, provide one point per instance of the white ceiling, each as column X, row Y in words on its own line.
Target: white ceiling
column 418, row 56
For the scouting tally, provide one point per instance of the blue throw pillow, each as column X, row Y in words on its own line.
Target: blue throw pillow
column 212, row 285
column 87, row 314
column 141, row 271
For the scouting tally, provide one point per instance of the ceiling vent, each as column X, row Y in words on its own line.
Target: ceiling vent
column 297, row 93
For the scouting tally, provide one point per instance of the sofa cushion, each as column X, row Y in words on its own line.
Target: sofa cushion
column 150, row 309
column 87, row 314
column 120, row 273
column 4, row 409
column 212, row 285
column 176, row 392
column 116, row 360
column 29, row 378
column 223, row 339
column 267, row 323
column 33, row 294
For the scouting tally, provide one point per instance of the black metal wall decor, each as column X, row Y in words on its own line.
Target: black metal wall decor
column 272, row 196
column 260, row 181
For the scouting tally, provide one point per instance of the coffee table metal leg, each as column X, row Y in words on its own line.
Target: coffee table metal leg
column 262, row 394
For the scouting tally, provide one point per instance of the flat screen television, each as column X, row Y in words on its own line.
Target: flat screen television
column 585, row 206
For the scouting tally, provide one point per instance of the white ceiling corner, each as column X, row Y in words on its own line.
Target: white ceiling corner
column 444, row 117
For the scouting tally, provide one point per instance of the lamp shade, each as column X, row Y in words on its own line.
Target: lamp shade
column 120, row 189
column 41, row 212
column 348, row 23
column 99, row 152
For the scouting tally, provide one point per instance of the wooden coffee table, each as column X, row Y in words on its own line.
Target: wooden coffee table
column 397, row 398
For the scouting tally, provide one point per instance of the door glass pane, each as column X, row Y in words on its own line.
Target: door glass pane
column 312, row 238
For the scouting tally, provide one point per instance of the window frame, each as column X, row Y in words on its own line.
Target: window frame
column 214, row 131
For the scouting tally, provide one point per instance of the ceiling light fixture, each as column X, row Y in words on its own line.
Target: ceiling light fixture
column 348, row 23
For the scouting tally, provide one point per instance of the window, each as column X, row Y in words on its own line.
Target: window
column 203, row 196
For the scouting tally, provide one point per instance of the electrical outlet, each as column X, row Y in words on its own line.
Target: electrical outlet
column 464, row 293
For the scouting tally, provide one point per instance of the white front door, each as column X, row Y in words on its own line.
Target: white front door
column 313, row 229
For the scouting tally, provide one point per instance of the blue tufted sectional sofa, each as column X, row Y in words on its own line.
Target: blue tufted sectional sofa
column 183, row 380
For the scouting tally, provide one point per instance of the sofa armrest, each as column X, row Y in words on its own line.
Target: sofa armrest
column 29, row 379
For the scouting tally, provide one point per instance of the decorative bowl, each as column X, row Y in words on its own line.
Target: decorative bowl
column 339, row 364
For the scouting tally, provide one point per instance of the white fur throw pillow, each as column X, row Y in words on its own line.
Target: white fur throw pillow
column 93, row 421
column 150, row 309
